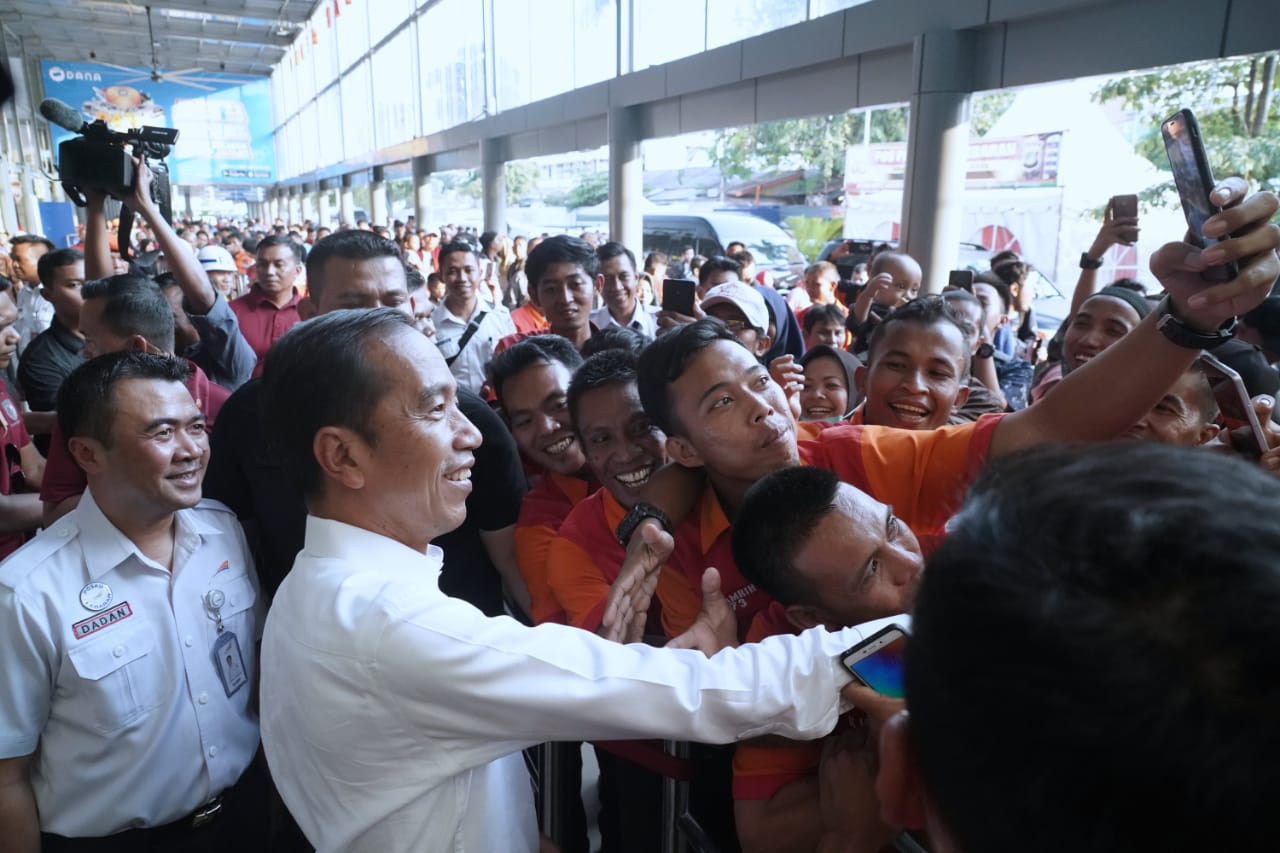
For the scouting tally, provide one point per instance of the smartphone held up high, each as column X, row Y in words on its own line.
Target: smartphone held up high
column 678, row 295
column 1194, row 180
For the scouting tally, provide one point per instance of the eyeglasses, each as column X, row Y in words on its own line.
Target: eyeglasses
column 736, row 326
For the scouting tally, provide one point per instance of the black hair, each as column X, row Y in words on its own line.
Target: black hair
column 664, row 361
column 413, row 277
column 352, row 245
column 996, row 283
column 321, row 374
column 1004, row 257
column 602, row 370
column 815, row 314
column 718, row 264
column 535, row 349
column 134, row 305
column 486, row 240
column 86, row 400
column 1115, row 608
column 280, row 240
column 744, row 258
column 613, row 249
column 27, row 239
column 6, row 284
column 615, row 337
column 457, row 244
column 778, row 515
column 556, row 250
column 926, row 311
column 968, row 298
column 653, row 259
column 1011, row 272
column 56, row 259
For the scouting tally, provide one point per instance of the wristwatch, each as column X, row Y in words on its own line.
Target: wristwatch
column 1178, row 332
column 1088, row 263
column 637, row 514
column 986, row 350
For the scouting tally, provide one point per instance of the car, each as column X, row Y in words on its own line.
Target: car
column 709, row 233
column 1049, row 305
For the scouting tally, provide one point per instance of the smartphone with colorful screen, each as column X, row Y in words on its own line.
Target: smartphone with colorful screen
column 877, row 661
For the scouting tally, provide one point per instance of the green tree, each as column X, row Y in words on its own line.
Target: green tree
column 816, row 143
column 1235, row 104
column 813, row 232
column 986, row 109
column 592, row 189
column 522, row 180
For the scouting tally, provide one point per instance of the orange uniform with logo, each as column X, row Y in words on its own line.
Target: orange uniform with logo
column 544, row 509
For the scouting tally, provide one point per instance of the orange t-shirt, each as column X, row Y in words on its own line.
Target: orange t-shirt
column 922, row 474
column 544, row 509
column 528, row 319
column 585, row 560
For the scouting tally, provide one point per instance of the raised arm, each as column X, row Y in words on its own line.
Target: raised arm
column 1115, row 230
column 1108, row 394
column 97, row 249
column 198, row 294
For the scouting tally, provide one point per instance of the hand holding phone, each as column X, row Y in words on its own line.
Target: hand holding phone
column 960, row 280
column 1124, row 208
column 1233, row 400
column 1194, row 180
column 678, row 296
column 877, row 661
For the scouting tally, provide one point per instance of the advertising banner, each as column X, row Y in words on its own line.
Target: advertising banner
column 223, row 122
column 1020, row 161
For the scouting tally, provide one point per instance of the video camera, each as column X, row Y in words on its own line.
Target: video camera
column 102, row 159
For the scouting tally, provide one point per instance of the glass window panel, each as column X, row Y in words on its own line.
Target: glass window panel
column 352, row 28
column 288, row 90
column 595, row 41
column 826, row 7
column 451, row 62
column 357, row 130
column 309, row 133
column 735, row 20
column 325, row 51
column 385, row 16
column 329, row 117
column 395, row 109
column 669, row 29
column 305, row 74
column 277, row 97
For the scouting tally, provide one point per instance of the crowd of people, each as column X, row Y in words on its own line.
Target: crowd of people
column 310, row 534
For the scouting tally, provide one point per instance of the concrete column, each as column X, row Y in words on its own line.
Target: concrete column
column 269, row 211
column 422, row 191
column 186, row 202
column 378, row 210
column 324, row 210
column 937, row 152
column 626, row 180
column 493, row 182
column 308, row 205
column 346, row 202
column 295, row 206
column 30, row 204
column 8, row 208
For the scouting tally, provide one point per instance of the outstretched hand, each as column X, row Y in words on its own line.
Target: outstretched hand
column 716, row 628
column 1247, row 236
column 627, row 607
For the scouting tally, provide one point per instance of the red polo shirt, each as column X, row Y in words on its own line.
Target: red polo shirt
column 263, row 323
column 64, row 479
column 13, row 433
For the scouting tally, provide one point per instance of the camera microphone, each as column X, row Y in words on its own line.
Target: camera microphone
column 63, row 115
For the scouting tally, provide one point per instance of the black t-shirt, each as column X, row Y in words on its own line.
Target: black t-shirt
column 243, row 475
column 44, row 365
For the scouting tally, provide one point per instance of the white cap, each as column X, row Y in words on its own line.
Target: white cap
column 744, row 298
column 216, row 259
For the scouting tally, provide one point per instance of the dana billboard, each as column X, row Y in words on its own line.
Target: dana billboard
column 223, row 121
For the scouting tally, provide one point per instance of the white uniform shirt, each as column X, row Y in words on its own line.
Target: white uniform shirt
column 392, row 714
column 35, row 313
column 468, row 368
column 106, row 666
column 643, row 320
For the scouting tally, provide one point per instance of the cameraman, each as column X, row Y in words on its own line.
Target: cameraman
column 222, row 352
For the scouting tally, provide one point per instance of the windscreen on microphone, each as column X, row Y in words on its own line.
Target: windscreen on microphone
column 64, row 116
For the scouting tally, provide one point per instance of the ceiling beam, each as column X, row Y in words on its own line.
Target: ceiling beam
column 297, row 11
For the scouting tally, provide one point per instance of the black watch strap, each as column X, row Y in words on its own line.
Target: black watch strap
column 985, row 350
column 637, row 514
column 1178, row 332
column 1088, row 263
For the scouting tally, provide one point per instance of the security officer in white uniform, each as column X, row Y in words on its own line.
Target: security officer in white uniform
column 128, row 635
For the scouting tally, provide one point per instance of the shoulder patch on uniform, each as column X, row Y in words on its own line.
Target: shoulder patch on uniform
column 33, row 554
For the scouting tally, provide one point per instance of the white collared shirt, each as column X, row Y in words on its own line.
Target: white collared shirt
column 643, row 320
column 106, row 666
column 392, row 714
column 468, row 367
column 35, row 313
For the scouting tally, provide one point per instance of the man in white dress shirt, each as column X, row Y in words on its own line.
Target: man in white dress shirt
column 123, row 726
column 393, row 715
column 617, row 283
